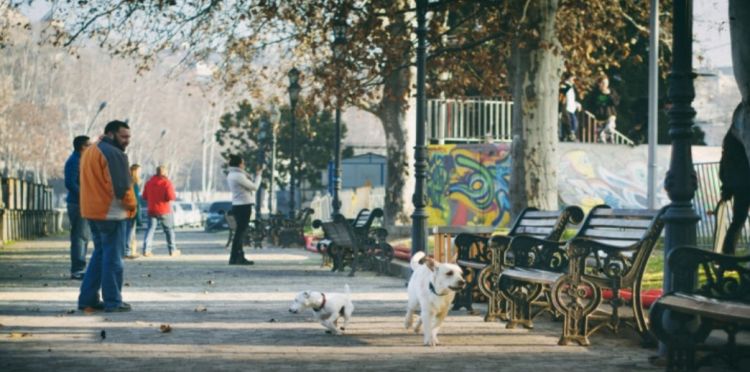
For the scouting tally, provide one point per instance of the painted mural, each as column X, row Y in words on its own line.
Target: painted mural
column 468, row 185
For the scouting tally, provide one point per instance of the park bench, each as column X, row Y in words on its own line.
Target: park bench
column 291, row 232
column 608, row 255
column 711, row 292
column 372, row 249
column 478, row 260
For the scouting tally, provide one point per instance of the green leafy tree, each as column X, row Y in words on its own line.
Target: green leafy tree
column 246, row 132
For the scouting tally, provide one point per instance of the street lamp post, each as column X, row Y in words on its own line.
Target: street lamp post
column 274, row 117
column 680, row 219
column 339, row 45
column 419, row 217
column 294, row 90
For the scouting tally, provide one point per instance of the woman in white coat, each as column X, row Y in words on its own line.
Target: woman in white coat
column 243, row 188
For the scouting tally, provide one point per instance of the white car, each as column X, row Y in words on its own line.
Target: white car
column 191, row 215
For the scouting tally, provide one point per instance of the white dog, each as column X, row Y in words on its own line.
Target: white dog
column 327, row 308
column 432, row 288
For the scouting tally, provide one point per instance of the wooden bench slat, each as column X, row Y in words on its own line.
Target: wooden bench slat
column 540, row 222
column 629, row 235
column 612, row 222
column 616, row 243
column 717, row 309
column 624, row 213
column 472, row 264
column 530, row 230
column 541, row 214
column 531, row 275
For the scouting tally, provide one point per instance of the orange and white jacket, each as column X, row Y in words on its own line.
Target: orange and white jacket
column 106, row 188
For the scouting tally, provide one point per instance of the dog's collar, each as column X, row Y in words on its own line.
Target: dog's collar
column 432, row 289
column 322, row 304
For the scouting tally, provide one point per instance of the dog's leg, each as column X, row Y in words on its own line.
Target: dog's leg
column 347, row 317
column 331, row 327
column 427, row 322
column 419, row 325
column 411, row 307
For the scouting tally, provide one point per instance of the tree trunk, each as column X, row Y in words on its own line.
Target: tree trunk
column 536, row 73
column 391, row 113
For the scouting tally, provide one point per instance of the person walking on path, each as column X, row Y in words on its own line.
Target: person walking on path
column 243, row 189
column 570, row 106
column 79, row 228
column 602, row 102
column 107, row 201
column 131, row 251
column 159, row 194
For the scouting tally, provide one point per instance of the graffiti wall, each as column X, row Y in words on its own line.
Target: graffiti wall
column 468, row 184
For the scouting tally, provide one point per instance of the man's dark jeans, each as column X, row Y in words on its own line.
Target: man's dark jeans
column 79, row 239
column 105, row 269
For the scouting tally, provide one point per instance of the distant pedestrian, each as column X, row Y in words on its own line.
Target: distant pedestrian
column 131, row 251
column 569, row 106
column 243, row 188
column 79, row 228
column 602, row 103
column 107, row 201
column 159, row 195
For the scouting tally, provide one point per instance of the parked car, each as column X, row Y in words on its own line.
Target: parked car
column 180, row 216
column 215, row 216
column 193, row 216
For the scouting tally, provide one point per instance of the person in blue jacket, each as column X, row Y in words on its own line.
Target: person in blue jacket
column 79, row 229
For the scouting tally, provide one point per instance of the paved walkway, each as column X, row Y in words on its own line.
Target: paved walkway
column 236, row 318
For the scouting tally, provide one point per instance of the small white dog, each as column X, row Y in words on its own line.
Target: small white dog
column 432, row 287
column 327, row 308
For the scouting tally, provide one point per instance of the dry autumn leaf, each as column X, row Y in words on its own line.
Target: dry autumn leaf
column 165, row 328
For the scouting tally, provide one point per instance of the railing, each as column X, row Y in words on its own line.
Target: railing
column 706, row 199
column 26, row 210
column 589, row 131
column 485, row 120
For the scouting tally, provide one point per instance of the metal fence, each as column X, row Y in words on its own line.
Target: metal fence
column 26, row 210
column 485, row 120
column 706, row 201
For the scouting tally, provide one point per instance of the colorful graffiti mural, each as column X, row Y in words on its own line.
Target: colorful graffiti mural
column 468, row 185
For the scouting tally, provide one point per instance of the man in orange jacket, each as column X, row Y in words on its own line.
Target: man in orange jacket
column 107, row 201
column 159, row 194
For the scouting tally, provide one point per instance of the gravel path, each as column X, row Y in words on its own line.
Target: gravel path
column 235, row 318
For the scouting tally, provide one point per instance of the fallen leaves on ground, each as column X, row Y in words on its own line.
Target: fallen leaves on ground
column 165, row 328
column 210, row 282
column 19, row 334
column 201, row 309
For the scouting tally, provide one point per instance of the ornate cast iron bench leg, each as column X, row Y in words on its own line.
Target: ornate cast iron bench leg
column 575, row 298
column 519, row 295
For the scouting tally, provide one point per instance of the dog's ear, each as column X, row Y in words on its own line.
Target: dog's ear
column 429, row 262
column 306, row 294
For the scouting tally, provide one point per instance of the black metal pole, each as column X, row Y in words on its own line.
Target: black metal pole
column 293, row 164
column 337, row 163
column 419, row 217
column 680, row 183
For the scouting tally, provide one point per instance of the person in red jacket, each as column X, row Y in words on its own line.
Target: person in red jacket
column 159, row 193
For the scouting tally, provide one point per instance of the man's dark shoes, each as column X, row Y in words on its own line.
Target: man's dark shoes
column 76, row 276
column 241, row 261
column 124, row 307
column 99, row 306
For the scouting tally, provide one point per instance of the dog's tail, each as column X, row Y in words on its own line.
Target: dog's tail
column 416, row 260
column 347, row 291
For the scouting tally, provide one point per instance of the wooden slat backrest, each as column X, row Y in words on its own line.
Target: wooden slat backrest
column 339, row 233
column 548, row 225
column 619, row 227
column 362, row 218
